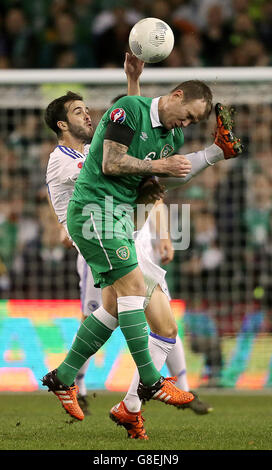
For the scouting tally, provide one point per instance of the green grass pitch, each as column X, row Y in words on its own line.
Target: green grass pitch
column 36, row 421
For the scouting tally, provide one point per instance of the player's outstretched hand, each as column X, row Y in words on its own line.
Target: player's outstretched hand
column 64, row 239
column 133, row 67
column 166, row 251
column 178, row 166
column 150, row 191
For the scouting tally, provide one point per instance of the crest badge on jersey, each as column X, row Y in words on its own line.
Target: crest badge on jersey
column 123, row 252
column 166, row 151
column 118, row 115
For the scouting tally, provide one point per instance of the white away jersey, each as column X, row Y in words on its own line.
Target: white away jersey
column 63, row 168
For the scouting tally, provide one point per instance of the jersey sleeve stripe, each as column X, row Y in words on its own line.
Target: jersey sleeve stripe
column 70, row 152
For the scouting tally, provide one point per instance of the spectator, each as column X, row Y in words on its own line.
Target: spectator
column 250, row 53
column 25, row 141
column 47, row 268
column 112, row 13
column 264, row 25
column 62, row 39
column 190, row 48
column 214, row 36
column 10, row 211
column 258, row 222
column 112, row 27
column 18, row 44
column 84, row 11
column 258, row 214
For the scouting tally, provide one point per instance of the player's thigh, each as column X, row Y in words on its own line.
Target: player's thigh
column 160, row 316
column 90, row 296
column 132, row 284
column 110, row 255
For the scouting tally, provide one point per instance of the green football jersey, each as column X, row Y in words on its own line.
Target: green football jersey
column 150, row 141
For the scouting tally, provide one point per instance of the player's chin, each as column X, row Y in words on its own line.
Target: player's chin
column 89, row 134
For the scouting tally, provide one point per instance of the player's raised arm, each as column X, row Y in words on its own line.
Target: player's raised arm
column 133, row 68
column 116, row 161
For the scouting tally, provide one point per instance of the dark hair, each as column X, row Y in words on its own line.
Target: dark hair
column 118, row 97
column 56, row 110
column 196, row 90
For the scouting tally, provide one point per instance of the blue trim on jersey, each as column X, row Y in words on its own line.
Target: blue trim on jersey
column 162, row 338
column 70, row 152
column 48, row 190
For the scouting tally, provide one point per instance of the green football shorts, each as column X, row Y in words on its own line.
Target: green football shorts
column 104, row 241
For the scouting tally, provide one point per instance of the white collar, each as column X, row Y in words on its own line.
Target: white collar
column 154, row 113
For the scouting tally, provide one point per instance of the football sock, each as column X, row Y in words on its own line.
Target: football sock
column 80, row 378
column 159, row 348
column 134, row 327
column 199, row 161
column 92, row 334
column 177, row 365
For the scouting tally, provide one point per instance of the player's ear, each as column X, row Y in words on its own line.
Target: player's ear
column 178, row 94
column 62, row 125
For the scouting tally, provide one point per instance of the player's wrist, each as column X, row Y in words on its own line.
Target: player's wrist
column 159, row 167
column 133, row 86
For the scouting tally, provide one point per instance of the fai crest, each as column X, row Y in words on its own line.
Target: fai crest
column 166, row 151
column 123, row 252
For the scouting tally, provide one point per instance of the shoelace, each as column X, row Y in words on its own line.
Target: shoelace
column 140, row 425
column 172, row 379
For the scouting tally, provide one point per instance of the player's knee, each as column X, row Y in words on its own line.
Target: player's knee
column 137, row 289
column 169, row 331
column 130, row 286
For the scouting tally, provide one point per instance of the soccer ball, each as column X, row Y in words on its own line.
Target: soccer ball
column 151, row 40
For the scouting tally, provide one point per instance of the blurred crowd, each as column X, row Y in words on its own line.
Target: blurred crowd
column 94, row 33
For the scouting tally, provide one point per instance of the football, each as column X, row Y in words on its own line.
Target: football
column 151, row 40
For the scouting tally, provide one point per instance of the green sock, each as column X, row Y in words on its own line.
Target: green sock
column 134, row 328
column 91, row 335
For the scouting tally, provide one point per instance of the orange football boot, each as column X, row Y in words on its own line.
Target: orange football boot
column 132, row 422
column 66, row 395
column 224, row 137
column 165, row 390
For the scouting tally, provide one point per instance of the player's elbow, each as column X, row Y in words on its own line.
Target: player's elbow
column 106, row 168
column 109, row 168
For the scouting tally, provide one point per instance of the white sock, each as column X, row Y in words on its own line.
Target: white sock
column 159, row 348
column 177, row 365
column 79, row 380
column 106, row 318
column 199, row 161
column 130, row 302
